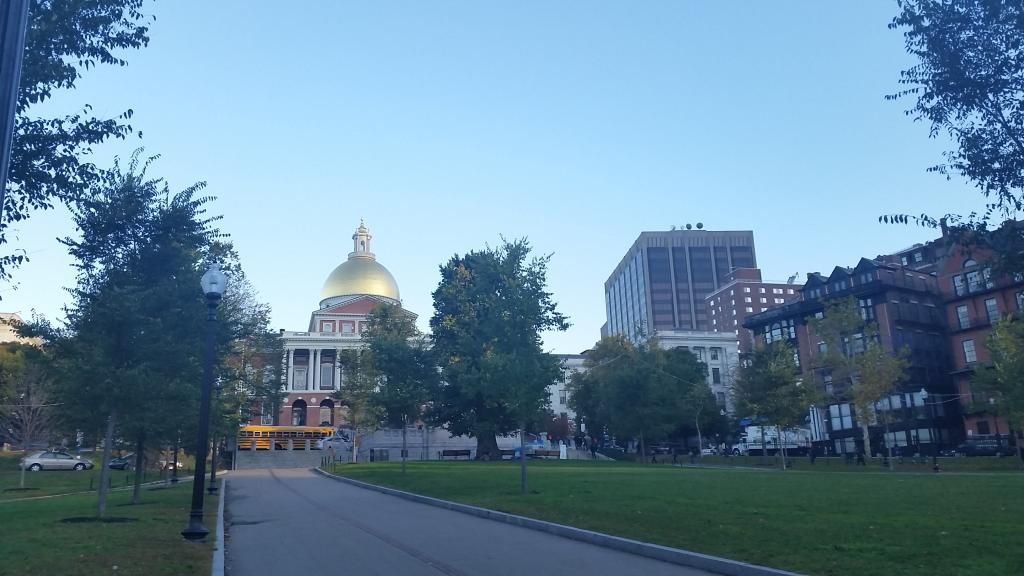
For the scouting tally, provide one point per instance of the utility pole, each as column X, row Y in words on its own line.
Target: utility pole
column 13, row 26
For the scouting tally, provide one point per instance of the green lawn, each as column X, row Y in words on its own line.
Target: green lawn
column 809, row 522
column 34, row 540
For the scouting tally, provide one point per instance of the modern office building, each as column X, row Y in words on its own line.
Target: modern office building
column 664, row 278
column 745, row 294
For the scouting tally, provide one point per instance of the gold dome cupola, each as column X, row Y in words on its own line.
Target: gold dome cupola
column 361, row 274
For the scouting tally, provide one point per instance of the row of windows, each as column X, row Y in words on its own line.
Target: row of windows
column 779, row 330
column 973, row 281
column 843, row 284
column 346, row 327
column 963, row 317
column 746, row 290
column 698, row 351
column 917, row 257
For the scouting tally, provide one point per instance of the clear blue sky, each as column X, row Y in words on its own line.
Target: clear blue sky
column 576, row 124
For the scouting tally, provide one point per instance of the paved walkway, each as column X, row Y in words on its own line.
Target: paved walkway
column 296, row 522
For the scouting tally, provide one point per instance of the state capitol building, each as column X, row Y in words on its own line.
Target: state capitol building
column 313, row 370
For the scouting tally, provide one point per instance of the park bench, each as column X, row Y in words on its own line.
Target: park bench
column 546, row 454
column 508, row 453
column 454, row 454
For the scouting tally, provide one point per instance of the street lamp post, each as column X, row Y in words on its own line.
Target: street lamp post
column 932, row 429
column 212, row 488
column 213, row 282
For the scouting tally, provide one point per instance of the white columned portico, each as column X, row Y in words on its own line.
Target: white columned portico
column 337, row 368
column 314, row 367
column 290, row 367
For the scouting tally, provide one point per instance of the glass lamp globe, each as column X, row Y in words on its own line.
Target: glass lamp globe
column 214, row 281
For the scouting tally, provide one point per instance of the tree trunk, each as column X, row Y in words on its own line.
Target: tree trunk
column 782, row 445
column 700, row 439
column 643, row 449
column 523, row 487
column 487, row 446
column 25, row 450
column 140, row 464
column 355, row 446
column 108, row 439
column 403, row 445
column 866, row 438
column 24, row 455
column 888, row 445
column 1020, row 447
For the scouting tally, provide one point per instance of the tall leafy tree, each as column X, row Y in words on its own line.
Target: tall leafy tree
column 49, row 157
column 769, row 387
column 356, row 395
column 27, row 410
column 878, row 373
column 1004, row 379
column 132, row 344
column 490, row 309
column 861, row 369
column 405, row 367
column 641, row 390
column 842, row 333
column 968, row 84
column 250, row 371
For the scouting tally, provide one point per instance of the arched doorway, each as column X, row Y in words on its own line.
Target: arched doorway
column 299, row 413
column 327, row 412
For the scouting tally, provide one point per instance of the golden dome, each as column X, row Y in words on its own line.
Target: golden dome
column 360, row 275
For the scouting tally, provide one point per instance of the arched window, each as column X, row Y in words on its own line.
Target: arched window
column 299, row 413
column 327, row 412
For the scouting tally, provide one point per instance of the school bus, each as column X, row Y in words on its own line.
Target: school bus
column 279, row 435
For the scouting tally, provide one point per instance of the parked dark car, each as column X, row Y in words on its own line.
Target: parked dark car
column 126, row 462
column 991, row 446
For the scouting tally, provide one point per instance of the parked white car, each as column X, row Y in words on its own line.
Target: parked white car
column 51, row 460
column 340, row 441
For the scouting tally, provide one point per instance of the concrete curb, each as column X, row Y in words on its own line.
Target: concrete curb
column 218, row 547
column 706, row 562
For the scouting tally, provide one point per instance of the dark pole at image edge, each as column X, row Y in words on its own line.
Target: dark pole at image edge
column 13, row 24
column 213, row 284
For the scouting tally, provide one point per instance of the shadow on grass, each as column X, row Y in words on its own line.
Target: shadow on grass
column 88, row 519
column 19, row 489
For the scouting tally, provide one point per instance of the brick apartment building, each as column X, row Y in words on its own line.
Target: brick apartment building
column 744, row 294
column 907, row 305
column 975, row 298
